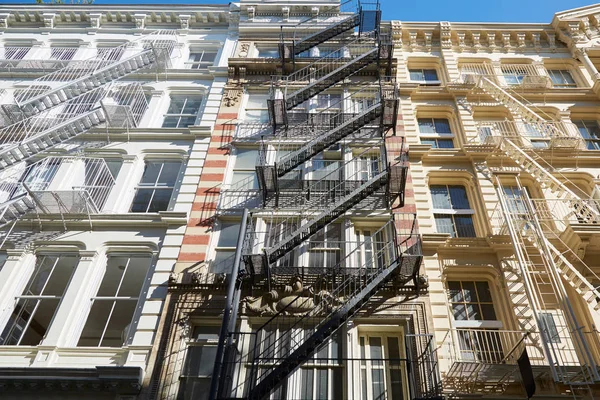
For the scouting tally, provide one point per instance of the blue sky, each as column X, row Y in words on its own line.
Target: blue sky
column 436, row 10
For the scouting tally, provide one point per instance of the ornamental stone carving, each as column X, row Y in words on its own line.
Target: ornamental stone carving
column 293, row 299
column 232, row 97
column 4, row 21
column 49, row 20
column 244, row 48
column 445, row 35
column 184, row 20
column 140, row 21
column 95, row 21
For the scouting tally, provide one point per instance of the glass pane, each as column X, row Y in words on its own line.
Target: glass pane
column 141, row 200
column 205, row 332
column 416, row 75
column 195, row 389
column 322, row 383
column 51, row 276
column 440, row 197
column 244, row 180
column 184, row 122
column 176, row 105
column 455, row 292
column 228, row 234
column 134, row 277
column 458, row 197
column 469, row 291
column 96, row 321
column 445, row 144
column 160, row 201
column 192, row 105
column 473, row 311
column 426, row 125
column 464, row 226
column 307, row 384
column 115, row 267
column 39, row 321
column 430, row 75
column 223, row 262
column 488, row 313
column 459, row 311
column 442, row 126
column 119, row 322
column 246, row 159
column 169, row 173
column 257, row 100
column 483, row 290
column 378, row 383
column 170, row 122
column 151, row 171
column 444, row 224
column 200, row 360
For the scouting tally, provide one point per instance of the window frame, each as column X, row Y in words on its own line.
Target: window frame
column 201, row 98
column 194, row 342
column 436, row 136
column 201, row 64
column 12, row 323
column 473, row 323
column 552, row 73
column 424, row 72
column 453, row 212
column 154, row 187
column 116, row 299
column 263, row 110
column 594, row 139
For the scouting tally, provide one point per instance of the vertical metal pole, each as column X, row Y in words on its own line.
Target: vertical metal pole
column 231, row 308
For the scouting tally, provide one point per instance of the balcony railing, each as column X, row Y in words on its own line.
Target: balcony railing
column 507, row 75
column 531, row 134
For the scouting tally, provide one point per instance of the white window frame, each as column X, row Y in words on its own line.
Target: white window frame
column 139, row 185
column 263, row 110
column 552, row 72
column 474, row 323
column 202, row 52
column 181, row 115
column 433, row 82
column 454, row 211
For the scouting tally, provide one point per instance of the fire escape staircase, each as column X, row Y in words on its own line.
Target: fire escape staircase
column 337, row 127
column 294, row 89
column 356, row 287
column 366, row 17
column 45, row 116
column 333, row 201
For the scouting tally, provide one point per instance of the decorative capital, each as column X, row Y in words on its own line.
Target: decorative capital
column 232, row 97
column 314, row 12
column 4, row 21
column 285, row 12
column 251, row 13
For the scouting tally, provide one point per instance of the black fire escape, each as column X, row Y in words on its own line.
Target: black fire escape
column 294, row 210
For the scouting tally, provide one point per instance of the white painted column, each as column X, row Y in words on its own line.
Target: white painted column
column 587, row 62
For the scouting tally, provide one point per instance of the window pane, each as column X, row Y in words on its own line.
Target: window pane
column 168, row 175
column 171, row 122
column 200, row 360
column 469, row 291
column 440, row 197
column 444, row 224
column 455, row 291
column 141, row 200
column 160, row 201
column 426, row 125
column 430, row 75
column 307, row 384
column 195, row 389
column 483, row 290
column 442, row 126
column 458, row 197
column 464, row 226
column 223, row 262
column 228, row 234
column 416, row 75
column 151, row 171
column 246, row 159
column 460, row 312
column 176, row 105
column 137, row 269
column 445, row 144
column 488, row 313
column 118, row 325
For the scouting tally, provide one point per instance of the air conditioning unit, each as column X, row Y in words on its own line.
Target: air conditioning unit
column 536, row 82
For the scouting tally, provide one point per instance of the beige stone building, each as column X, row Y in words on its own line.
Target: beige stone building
column 305, row 198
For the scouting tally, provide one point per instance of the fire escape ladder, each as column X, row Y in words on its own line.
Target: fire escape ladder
column 543, row 283
column 344, row 290
column 314, row 39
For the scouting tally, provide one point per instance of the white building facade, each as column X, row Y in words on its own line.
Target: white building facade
column 107, row 115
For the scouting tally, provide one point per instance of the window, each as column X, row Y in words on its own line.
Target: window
column 155, row 189
column 99, row 180
column 374, row 251
column 436, row 132
column 15, row 53
column 256, row 107
column 452, row 211
column 590, row 131
column 471, row 301
column 331, row 101
column 201, row 59
column 110, row 53
column 561, row 78
column 515, row 199
column 114, row 304
column 424, row 76
column 244, row 169
column 536, row 136
column 268, row 52
column 34, row 309
column 63, row 53
column 226, row 245
column 276, row 231
column 513, row 74
column 382, row 373
column 182, row 111
column 325, row 248
column 320, row 377
column 199, row 363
